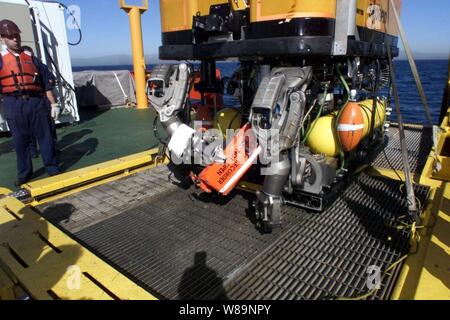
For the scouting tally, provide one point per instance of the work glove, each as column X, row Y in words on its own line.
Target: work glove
column 55, row 111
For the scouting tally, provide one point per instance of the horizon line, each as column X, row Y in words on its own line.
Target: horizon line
column 169, row 61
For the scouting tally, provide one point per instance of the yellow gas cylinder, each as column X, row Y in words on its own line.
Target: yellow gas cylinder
column 366, row 109
column 322, row 138
column 228, row 118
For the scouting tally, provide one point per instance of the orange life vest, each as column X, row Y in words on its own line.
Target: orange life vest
column 19, row 73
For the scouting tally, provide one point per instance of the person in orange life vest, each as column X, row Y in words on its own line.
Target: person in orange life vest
column 33, row 144
column 54, row 113
column 26, row 84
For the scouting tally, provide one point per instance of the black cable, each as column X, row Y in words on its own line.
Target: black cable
column 47, row 53
column 375, row 99
column 162, row 142
column 187, row 112
column 57, row 69
column 74, row 19
column 391, row 166
column 156, row 133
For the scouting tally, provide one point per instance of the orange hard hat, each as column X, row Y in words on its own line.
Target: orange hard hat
column 8, row 28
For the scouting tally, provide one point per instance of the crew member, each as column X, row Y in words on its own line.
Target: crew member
column 54, row 113
column 26, row 84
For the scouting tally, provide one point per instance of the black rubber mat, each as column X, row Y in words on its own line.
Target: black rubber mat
column 418, row 143
column 327, row 255
column 180, row 247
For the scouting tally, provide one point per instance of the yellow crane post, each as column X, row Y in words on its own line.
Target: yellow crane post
column 135, row 12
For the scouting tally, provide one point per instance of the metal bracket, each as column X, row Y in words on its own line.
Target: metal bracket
column 345, row 25
column 161, row 154
column 143, row 7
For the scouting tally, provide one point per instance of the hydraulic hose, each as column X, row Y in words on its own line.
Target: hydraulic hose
column 319, row 114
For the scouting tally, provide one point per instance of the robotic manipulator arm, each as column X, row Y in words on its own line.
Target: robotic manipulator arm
column 169, row 87
column 276, row 115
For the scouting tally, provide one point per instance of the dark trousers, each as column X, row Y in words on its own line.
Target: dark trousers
column 33, row 147
column 28, row 118
column 33, row 144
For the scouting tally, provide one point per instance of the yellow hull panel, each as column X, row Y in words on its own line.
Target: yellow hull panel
column 176, row 15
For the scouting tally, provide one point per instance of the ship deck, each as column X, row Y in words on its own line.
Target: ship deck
column 102, row 135
column 137, row 232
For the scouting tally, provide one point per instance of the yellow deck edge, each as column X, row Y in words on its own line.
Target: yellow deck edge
column 426, row 272
column 47, row 264
column 53, row 188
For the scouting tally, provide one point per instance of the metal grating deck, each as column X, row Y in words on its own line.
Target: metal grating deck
column 418, row 143
column 326, row 255
column 180, row 247
column 86, row 208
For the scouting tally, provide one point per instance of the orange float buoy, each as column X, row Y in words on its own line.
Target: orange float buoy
column 350, row 126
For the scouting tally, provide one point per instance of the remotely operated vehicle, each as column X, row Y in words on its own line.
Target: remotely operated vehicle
column 310, row 73
column 130, row 228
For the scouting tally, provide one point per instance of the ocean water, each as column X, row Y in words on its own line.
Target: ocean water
column 433, row 74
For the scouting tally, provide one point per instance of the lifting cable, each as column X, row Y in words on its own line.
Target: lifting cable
column 412, row 204
column 412, row 64
column 415, row 72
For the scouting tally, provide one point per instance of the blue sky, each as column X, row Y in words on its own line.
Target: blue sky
column 106, row 28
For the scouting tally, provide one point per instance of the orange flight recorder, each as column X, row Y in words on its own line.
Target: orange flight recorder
column 240, row 156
